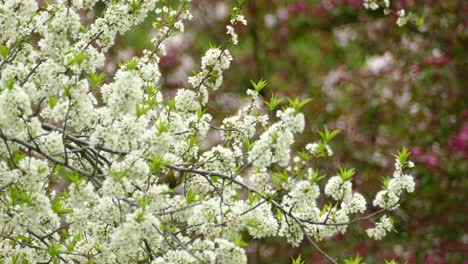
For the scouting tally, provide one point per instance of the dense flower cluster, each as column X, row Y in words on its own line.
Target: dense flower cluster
column 97, row 170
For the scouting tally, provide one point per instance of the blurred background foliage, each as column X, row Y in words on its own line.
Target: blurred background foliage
column 382, row 85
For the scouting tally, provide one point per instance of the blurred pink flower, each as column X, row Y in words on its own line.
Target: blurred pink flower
column 459, row 141
column 296, row 8
column 430, row 160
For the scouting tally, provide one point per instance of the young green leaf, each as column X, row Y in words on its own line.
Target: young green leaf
column 258, row 86
column 273, row 103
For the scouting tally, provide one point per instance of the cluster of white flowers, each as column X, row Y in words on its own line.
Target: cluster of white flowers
column 381, row 228
column 213, row 64
column 385, row 4
column 390, row 197
column 97, row 169
column 274, row 145
column 337, row 188
column 232, row 32
column 402, row 18
column 376, row 4
column 371, row 4
column 395, row 187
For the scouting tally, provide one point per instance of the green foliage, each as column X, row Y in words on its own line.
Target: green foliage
column 54, row 251
column 10, row 83
column 346, row 174
column 96, row 79
column 53, row 101
column 57, row 207
column 273, row 103
column 162, row 127
column 131, row 64
column 140, row 110
column 4, row 51
column 403, row 155
column 298, row 260
column 72, row 177
column 258, row 86
column 72, row 244
column 156, row 164
column 304, row 155
column 118, row 175
column 66, row 91
column 253, row 223
column 355, row 260
column 297, row 103
column 192, row 197
column 253, row 197
column 19, row 196
column 316, row 177
column 239, row 242
column 78, row 58
column 17, row 157
column 327, row 135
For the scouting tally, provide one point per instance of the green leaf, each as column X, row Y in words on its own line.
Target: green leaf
column 156, row 164
column 140, row 216
column 72, row 244
column 385, row 181
column 171, row 104
column 118, row 175
column 73, row 177
column 253, row 223
column 420, row 21
column 280, row 214
column 53, row 101
column 54, row 249
column 253, row 197
column 66, row 91
column 20, row 197
column 191, row 197
column 346, row 174
column 274, row 102
column 328, row 135
column 17, row 157
column 131, row 64
column 297, row 104
column 143, row 202
column 57, row 207
column 200, row 113
column 162, row 127
column 239, row 242
column 305, row 156
column 283, row 175
column 150, row 90
column 140, row 110
column 316, row 177
column 355, row 260
column 298, row 260
column 135, row 5
column 4, row 51
column 78, row 59
column 83, row 29
column 96, row 79
column 258, row 86
column 10, row 83
column 193, row 141
column 403, row 155
column 249, row 145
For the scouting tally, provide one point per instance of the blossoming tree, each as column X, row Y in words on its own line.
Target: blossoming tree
column 97, row 169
